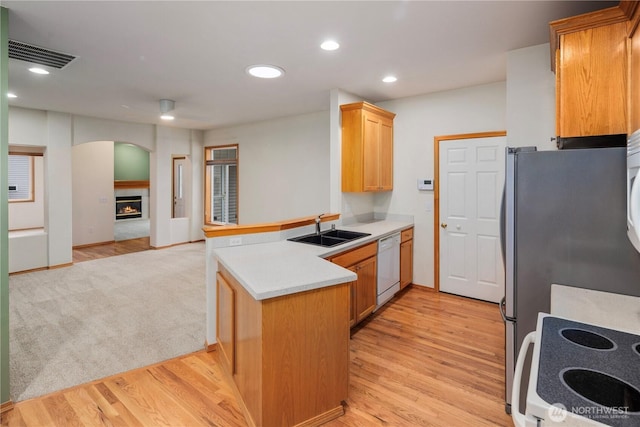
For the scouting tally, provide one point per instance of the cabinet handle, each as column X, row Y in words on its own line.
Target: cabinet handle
column 443, row 225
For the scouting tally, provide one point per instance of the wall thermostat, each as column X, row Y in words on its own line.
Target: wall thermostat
column 425, row 184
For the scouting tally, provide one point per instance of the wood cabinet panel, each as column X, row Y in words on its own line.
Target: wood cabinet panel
column 367, row 148
column 386, row 155
column 406, row 263
column 306, row 357
column 226, row 322
column 366, row 289
column 363, row 291
column 634, row 75
column 349, row 258
column 291, row 352
column 406, row 235
column 591, row 76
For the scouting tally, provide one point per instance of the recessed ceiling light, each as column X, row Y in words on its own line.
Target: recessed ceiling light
column 167, row 117
column 389, row 79
column 330, row 45
column 38, row 70
column 11, row 95
column 265, row 71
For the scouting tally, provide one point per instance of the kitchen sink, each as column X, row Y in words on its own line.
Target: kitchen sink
column 329, row 238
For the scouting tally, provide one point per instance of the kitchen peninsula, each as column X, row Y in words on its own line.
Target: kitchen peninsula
column 283, row 323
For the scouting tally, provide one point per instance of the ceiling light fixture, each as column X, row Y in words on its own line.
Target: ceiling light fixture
column 330, row 45
column 38, row 70
column 11, row 95
column 265, row 71
column 390, row 79
column 167, row 105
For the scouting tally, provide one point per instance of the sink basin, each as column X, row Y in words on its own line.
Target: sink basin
column 343, row 234
column 329, row 238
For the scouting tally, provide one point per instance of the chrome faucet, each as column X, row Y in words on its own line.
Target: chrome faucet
column 318, row 218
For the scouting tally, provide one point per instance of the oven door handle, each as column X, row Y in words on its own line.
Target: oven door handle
column 517, row 416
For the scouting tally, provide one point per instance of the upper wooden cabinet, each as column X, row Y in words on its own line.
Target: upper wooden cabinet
column 634, row 70
column 367, row 148
column 590, row 58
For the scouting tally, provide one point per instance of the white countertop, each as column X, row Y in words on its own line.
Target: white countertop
column 269, row 270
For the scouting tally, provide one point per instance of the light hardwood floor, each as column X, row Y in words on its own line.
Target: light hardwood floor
column 425, row 359
column 122, row 247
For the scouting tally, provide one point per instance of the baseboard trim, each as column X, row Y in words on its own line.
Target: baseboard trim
column 6, row 406
column 210, row 347
column 53, row 267
column 90, row 245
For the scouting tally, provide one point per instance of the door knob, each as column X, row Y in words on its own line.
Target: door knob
column 443, row 225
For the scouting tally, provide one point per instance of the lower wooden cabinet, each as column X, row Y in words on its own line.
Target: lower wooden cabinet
column 226, row 322
column 363, row 262
column 287, row 357
column 406, row 258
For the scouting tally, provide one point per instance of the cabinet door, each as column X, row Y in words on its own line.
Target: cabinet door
column 366, row 288
column 226, row 323
column 592, row 82
column 386, row 155
column 406, row 263
column 371, row 152
column 352, row 302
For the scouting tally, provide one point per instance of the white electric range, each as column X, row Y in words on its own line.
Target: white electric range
column 581, row 375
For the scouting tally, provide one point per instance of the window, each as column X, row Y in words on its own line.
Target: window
column 20, row 174
column 221, row 184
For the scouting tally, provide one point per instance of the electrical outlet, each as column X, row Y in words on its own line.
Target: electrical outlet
column 235, row 241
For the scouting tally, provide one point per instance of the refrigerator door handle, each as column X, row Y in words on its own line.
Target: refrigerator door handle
column 503, row 311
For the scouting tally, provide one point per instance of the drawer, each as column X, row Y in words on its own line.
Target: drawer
column 354, row 256
column 406, row 235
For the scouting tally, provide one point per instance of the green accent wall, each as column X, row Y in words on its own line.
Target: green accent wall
column 4, row 210
column 130, row 163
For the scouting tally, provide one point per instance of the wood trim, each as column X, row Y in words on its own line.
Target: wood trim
column 6, row 406
column 122, row 184
column 66, row 264
column 234, row 230
column 210, row 347
column 367, row 107
column 598, row 18
column 323, row 418
column 633, row 11
column 436, row 193
column 89, row 245
column 207, row 186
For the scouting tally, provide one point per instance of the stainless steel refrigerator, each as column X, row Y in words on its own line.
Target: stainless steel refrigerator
column 564, row 219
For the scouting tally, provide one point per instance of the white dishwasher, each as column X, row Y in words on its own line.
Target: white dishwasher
column 388, row 268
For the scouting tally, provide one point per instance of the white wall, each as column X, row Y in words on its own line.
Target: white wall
column 59, row 132
column 531, row 98
column 418, row 120
column 24, row 215
column 283, row 166
column 93, row 194
column 87, row 129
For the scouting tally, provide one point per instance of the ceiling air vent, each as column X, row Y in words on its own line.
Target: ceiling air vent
column 38, row 55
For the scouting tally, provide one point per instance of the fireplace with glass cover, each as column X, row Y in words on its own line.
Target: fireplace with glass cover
column 128, row 207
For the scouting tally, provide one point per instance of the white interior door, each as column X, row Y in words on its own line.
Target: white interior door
column 471, row 185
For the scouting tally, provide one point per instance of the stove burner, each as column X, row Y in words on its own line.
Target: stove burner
column 637, row 348
column 587, row 339
column 602, row 389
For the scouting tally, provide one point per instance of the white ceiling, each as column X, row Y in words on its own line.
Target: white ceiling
column 132, row 54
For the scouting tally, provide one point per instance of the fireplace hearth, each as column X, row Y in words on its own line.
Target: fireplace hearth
column 128, row 207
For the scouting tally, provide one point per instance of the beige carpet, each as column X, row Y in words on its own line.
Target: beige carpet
column 96, row 318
